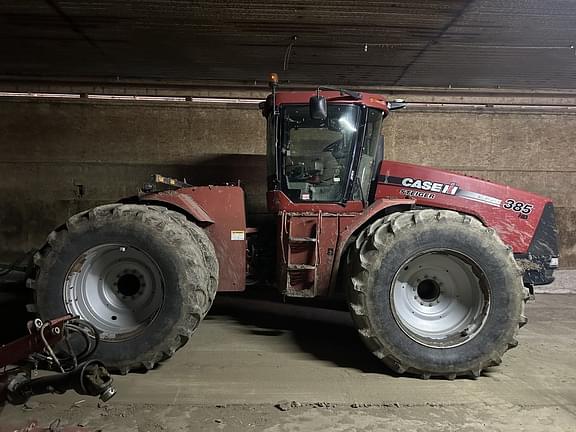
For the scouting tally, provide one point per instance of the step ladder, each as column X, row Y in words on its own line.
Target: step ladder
column 298, row 274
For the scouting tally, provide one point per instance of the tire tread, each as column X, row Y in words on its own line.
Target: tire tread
column 362, row 261
column 180, row 231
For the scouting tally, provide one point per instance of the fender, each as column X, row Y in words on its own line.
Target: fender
column 351, row 225
column 183, row 201
column 220, row 210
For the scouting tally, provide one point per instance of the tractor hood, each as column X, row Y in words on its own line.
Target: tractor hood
column 523, row 220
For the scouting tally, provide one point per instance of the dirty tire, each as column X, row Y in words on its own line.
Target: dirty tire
column 410, row 277
column 160, row 277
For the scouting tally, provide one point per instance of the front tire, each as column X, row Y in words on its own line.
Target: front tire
column 434, row 293
column 144, row 276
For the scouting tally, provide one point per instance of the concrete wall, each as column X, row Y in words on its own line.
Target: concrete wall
column 57, row 158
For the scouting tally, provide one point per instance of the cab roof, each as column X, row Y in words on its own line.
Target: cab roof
column 302, row 97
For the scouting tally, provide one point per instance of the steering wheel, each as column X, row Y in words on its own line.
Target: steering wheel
column 332, row 146
column 297, row 172
column 337, row 149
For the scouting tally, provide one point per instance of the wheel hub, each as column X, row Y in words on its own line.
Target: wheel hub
column 439, row 300
column 129, row 285
column 117, row 288
column 428, row 290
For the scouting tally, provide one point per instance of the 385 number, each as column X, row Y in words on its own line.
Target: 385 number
column 518, row 206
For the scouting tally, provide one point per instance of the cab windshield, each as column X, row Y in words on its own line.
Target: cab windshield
column 316, row 154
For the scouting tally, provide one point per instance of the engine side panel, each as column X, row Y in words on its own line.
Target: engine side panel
column 513, row 213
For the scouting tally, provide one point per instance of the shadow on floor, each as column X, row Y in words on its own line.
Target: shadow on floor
column 327, row 334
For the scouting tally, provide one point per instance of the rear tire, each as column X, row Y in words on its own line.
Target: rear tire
column 434, row 293
column 144, row 276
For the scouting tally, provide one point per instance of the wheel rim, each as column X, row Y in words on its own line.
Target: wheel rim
column 118, row 288
column 440, row 298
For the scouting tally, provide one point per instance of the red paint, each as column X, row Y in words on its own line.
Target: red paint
column 332, row 225
column 512, row 229
column 278, row 201
column 303, row 97
column 221, row 208
column 351, row 224
column 181, row 200
column 310, row 282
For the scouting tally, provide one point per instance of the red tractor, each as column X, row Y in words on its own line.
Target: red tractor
column 436, row 266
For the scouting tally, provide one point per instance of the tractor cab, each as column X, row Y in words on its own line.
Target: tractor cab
column 324, row 146
column 324, row 152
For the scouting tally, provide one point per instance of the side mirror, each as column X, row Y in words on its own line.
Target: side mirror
column 318, row 108
column 267, row 106
column 396, row 104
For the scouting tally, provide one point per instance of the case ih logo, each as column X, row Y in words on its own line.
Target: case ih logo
column 432, row 187
column 427, row 185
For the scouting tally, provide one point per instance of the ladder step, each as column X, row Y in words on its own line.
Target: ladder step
column 301, row 267
column 302, row 239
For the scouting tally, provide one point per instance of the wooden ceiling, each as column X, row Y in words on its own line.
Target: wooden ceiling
column 414, row 43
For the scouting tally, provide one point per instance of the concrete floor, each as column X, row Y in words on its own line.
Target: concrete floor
column 248, row 357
